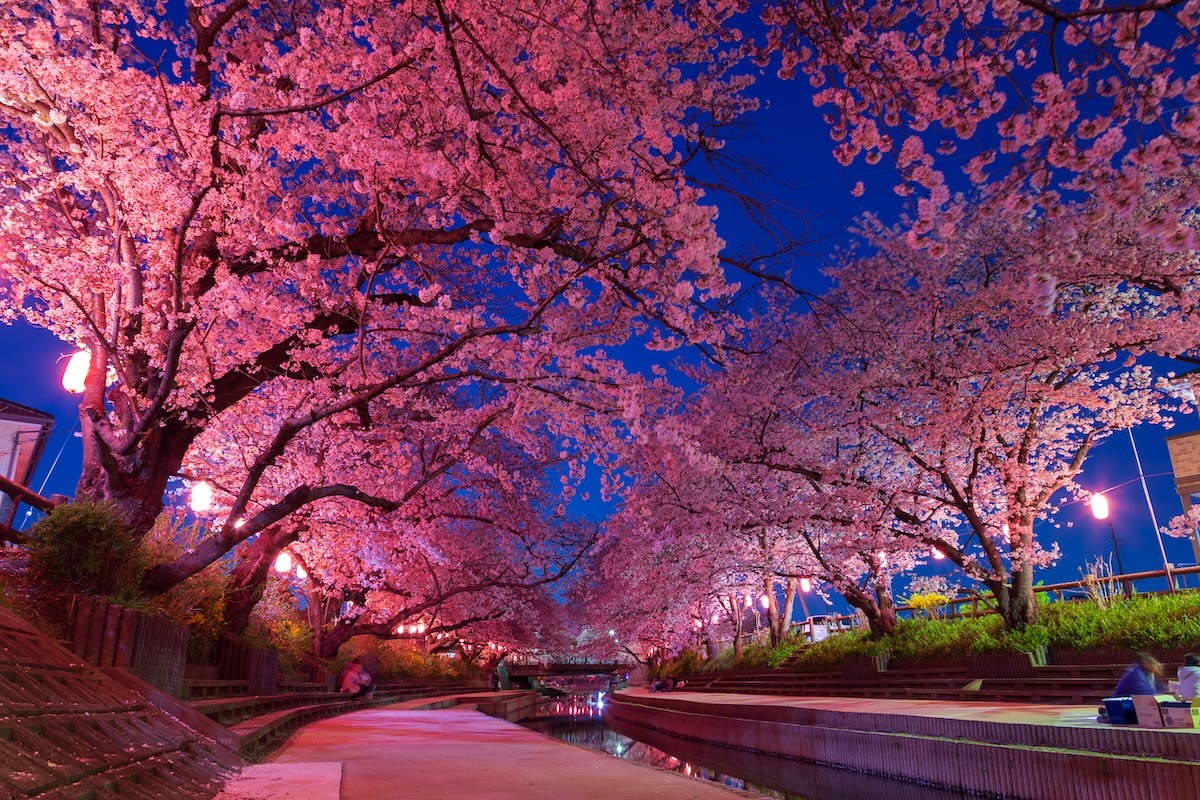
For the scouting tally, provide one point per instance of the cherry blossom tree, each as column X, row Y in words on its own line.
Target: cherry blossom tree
column 471, row 558
column 796, row 489
column 1038, row 104
column 309, row 214
column 960, row 396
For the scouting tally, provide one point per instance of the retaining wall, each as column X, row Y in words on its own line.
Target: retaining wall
column 108, row 635
column 1011, row 759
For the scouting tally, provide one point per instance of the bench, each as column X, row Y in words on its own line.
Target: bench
column 200, row 688
column 293, row 684
column 1069, row 690
column 231, row 710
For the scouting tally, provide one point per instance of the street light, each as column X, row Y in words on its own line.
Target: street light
column 201, row 497
column 1099, row 504
column 75, row 375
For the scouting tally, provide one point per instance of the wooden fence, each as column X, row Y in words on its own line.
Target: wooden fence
column 109, row 635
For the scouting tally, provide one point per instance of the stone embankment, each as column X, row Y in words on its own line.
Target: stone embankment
column 1013, row 750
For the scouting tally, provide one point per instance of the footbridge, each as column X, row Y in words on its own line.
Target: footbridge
column 534, row 674
column 554, row 668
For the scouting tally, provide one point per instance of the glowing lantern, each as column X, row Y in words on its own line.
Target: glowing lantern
column 883, row 561
column 301, row 572
column 420, row 627
column 201, row 498
column 283, row 562
column 76, row 372
column 746, row 599
column 1099, row 505
column 765, row 601
column 805, row 585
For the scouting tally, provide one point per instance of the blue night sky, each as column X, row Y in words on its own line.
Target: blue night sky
column 788, row 140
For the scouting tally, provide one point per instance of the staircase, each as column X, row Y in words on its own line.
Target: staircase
column 69, row 731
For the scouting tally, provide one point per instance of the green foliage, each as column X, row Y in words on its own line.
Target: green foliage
column 755, row 655
column 1030, row 640
column 1164, row 621
column 838, row 648
column 197, row 603
column 278, row 622
column 688, row 662
column 1145, row 621
column 933, row 639
column 401, row 660
column 85, row 547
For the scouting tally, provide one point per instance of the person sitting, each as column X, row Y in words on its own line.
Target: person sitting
column 1189, row 677
column 356, row 680
column 1144, row 676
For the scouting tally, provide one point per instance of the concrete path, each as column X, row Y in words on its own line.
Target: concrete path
column 452, row 754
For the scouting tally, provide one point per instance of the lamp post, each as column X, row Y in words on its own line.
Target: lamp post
column 1099, row 505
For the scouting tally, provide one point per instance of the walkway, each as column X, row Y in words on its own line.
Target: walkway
column 386, row 753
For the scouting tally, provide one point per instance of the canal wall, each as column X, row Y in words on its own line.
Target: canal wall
column 1020, row 751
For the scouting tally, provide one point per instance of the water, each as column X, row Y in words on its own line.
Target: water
column 577, row 719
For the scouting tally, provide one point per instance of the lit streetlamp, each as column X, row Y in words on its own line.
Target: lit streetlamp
column 202, row 497
column 75, row 375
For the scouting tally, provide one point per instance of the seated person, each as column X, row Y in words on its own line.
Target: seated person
column 1144, row 676
column 1189, row 676
column 357, row 680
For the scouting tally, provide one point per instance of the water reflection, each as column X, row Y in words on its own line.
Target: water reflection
column 578, row 719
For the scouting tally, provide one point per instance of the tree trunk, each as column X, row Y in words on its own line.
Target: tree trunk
column 332, row 640
column 789, row 604
column 1019, row 605
column 879, row 610
column 772, row 608
column 711, row 646
column 249, row 577
column 887, row 607
column 134, row 484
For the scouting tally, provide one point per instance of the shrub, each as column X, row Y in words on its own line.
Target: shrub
column 197, row 603
column 85, row 547
column 392, row 659
column 1148, row 621
column 688, row 662
column 929, row 604
column 838, row 648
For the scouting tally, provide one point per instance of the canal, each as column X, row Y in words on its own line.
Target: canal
column 577, row 719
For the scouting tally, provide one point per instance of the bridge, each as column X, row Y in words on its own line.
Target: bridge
column 539, row 669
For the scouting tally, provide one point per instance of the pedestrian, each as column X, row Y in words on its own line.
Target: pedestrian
column 1189, row 676
column 356, row 680
column 1144, row 676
